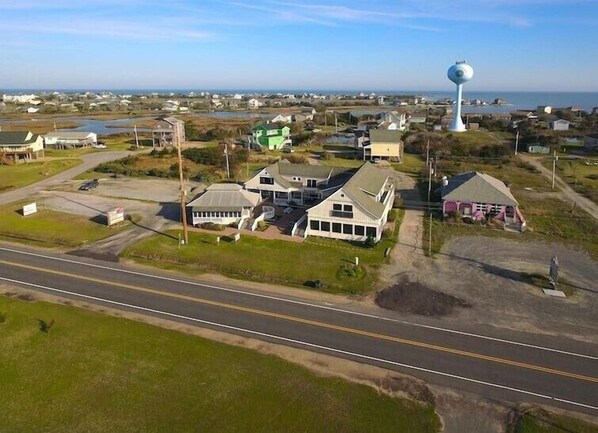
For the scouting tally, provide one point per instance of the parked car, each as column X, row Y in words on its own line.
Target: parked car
column 89, row 185
column 99, row 145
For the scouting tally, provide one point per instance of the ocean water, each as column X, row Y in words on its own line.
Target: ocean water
column 514, row 100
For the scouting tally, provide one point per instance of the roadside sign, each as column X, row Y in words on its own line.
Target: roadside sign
column 116, row 215
column 29, row 209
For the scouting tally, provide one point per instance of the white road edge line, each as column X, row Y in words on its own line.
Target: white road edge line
column 304, row 343
column 308, row 304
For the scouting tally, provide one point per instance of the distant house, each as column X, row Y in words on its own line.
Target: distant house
column 480, row 196
column 302, row 184
column 20, row 146
column 384, row 145
column 590, row 141
column 355, row 211
column 536, row 148
column 168, row 132
column 544, row 109
column 70, row 140
column 223, row 203
column 559, row 125
column 270, row 136
column 282, row 118
column 417, row 118
column 595, row 110
column 523, row 115
column 308, row 112
column 392, row 121
column 253, row 103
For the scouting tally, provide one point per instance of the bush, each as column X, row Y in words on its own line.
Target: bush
column 213, row 226
column 262, row 225
column 2, row 316
column 398, row 202
column 370, row 242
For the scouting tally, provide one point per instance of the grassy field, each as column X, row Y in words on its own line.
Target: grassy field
column 20, row 175
column 51, row 229
column 582, row 178
column 274, row 261
column 549, row 218
column 411, row 165
column 477, row 138
column 540, row 421
column 95, row 373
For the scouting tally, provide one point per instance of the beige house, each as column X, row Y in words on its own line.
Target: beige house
column 384, row 144
column 168, row 132
column 357, row 210
column 70, row 139
column 20, row 146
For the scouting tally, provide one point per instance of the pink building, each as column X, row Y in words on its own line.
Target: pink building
column 480, row 196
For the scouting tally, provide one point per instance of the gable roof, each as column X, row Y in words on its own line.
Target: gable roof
column 73, row 135
column 268, row 126
column 17, row 138
column 479, row 187
column 364, row 186
column 225, row 197
column 385, row 136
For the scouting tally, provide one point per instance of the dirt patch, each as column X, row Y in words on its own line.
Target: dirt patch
column 415, row 298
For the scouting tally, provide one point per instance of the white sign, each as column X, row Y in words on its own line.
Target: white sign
column 29, row 209
column 237, row 237
column 116, row 215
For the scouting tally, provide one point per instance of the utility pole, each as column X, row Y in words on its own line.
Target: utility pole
column 227, row 166
column 183, row 195
column 430, row 237
column 428, row 152
column 136, row 137
column 516, row 142
column 429, row 181
column 554, row 160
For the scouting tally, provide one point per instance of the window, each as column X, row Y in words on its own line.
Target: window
column 336, row 227
column 312, row 183
column 340, row 211
column 359, row 230
column 325, row 226
column 314, row 225
column 348, row 229
column 370, row 231
column 266, row 181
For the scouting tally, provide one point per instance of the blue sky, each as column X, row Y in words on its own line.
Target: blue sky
column 535, row 45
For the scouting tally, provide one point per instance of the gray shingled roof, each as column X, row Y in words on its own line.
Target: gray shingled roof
column 478, row 187
column 225, row 197
column 284, row 168
column 385, row 136
column 16, row 138
column 364, row 186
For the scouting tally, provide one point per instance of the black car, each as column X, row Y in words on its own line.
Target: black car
column 90, row 184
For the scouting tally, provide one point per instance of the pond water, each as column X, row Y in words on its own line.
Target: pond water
column 111, row 126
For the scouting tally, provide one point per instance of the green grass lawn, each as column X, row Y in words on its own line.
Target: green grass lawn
column 411, row 165
column 274, row 261
column 540, row 421
column 477, row 138
column 20, row 175
column 50, row 228
column 582, row 178
column 95, row 373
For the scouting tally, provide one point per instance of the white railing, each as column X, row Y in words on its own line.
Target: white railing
column 262, row 217
column 297, row 224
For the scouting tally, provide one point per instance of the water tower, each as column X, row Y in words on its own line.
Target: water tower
column 459, row 73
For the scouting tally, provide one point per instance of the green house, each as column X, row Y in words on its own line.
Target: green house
column 270, row 136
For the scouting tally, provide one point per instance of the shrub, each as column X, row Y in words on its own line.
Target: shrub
column 2, row 316
column 262, row 225
column 398, row 202
column 370, row 242
column 213, row 226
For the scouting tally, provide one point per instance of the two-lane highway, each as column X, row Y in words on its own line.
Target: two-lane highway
column 498, row 368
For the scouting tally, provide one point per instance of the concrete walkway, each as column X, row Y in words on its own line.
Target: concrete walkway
column 568, row 192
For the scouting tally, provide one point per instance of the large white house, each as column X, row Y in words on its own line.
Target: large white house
column 357, row 210
column 286, row 183
column 70, row 139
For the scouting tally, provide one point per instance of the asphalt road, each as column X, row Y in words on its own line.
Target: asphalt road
column 509, row 367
